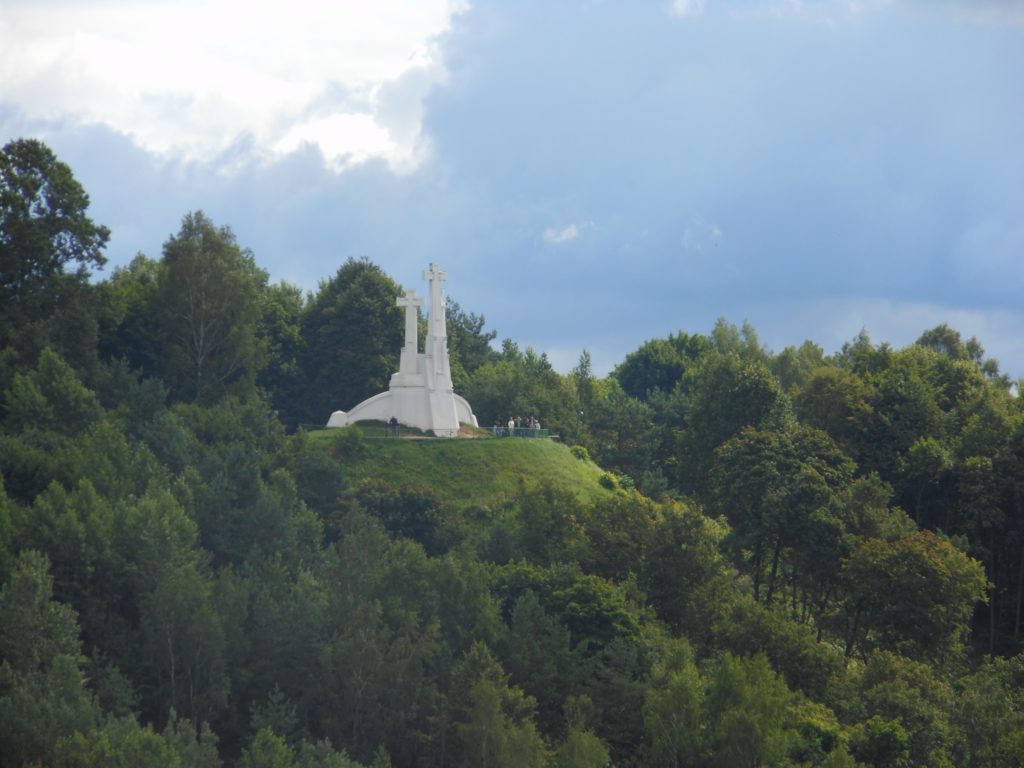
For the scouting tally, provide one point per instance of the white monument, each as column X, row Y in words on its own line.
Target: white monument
column 420, row 395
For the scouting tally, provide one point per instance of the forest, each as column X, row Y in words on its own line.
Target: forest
column 801, row 559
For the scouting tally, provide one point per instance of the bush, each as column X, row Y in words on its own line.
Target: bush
column 580, row 452
column 349, row 444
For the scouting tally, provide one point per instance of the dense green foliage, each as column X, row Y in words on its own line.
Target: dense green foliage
column 777, row 560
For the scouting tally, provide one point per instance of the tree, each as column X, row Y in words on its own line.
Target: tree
column 6, row 531
column 906, row 705
column 906, row 400
column 595, row 611
column 195, row 745
column 659, row 364
column 913, row 595
column 581, row 749
column 418, row 514
column 881, row 743
column 924, row 475
column 583, row 378
column 620, row 529
column 685, row 575
column 281, row 326
column 740, row 342
column 183, row 640
column 806, row 663
column 51, row 417
column 535, row 651
column 867, row 513
column 47, row 243
column 726, row 395
column 747, row 709
column 978, row 486
column 523, row 384
column 128, row 321
column 780, row 491
column 209, row 312
column 382, row 635
column 122, row 743
column 674, row 713
column 493, row 721
column 469, row 346
column 792, row 366
column 948, row 342
column 989, row 713
column 862, row 357
column 352, row 334
column 42, row 688
column 51, row 397
column 267, row 750
column 837, row 401
column 623, row 435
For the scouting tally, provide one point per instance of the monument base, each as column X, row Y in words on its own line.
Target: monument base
column 420, row 393
column 437, row 412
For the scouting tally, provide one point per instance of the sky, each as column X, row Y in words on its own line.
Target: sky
column 591, row 174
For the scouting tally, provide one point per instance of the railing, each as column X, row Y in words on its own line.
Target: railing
column 520, row 432
column 375, row 431
column 379, row 431
column 387, row 432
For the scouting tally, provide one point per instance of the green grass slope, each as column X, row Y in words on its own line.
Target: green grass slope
column 469, row 472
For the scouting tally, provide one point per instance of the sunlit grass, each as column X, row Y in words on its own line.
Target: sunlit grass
column 470, row 472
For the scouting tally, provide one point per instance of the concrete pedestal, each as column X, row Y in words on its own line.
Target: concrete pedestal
column 420, row 394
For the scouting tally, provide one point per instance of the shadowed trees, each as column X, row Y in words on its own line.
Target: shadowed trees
column 208, row 312
column 48, row 246
column 353, row 333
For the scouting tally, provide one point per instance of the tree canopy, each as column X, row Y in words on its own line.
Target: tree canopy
column 792, row 559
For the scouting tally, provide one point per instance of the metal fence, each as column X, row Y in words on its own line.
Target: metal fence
column 386, row 432
column 520, row 432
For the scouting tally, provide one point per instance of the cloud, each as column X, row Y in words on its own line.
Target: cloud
column 557, row 236
column 684, row 8
column 849, row 172
column 977, row 11
column 830, row 13
column 566, row 234
column 344, row 139
column 187, row 78
column 699, row 235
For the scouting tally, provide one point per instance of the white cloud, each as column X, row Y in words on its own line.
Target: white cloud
column 189, row 78
column 975, row 11
column 345, row 139
column 831, row 12
column 557, row 236
column 699, row 234
column 684, row 8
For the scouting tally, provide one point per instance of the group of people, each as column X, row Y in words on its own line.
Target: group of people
column 516, row 426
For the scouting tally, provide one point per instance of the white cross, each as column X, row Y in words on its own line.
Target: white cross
column 409, row 300
column 435, row 273
column 411, row 304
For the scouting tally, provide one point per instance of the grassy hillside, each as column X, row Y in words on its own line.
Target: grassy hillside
column 482, row 471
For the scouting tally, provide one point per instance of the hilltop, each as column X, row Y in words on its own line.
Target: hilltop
column 467, row 472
